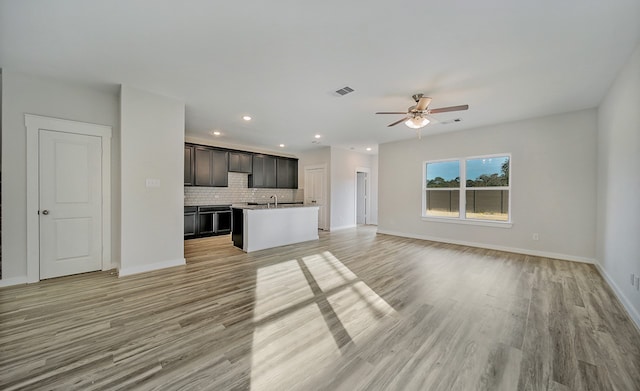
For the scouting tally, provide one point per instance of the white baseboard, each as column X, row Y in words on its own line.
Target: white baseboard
column 13, row 281
column 127, row 271
column 517, row 250
column 626, row 303
column 340, row 228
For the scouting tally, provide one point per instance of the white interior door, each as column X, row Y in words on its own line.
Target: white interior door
column 70, row 203
column 361, row 198
column 315, row 192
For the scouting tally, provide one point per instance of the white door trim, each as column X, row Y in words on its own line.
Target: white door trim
column 34, row 123
column 367, row 204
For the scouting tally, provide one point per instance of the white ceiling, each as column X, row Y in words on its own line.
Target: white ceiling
column 280, row 61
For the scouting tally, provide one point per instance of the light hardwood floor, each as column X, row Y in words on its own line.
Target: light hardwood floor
column 352, row 311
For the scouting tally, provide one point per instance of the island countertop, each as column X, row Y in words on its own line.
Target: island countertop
column 270, row 206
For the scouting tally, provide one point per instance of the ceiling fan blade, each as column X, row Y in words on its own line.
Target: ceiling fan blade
column 447, row 109
column 398, row 121
column 392, row 112
column 432, row 120
column 423, row 103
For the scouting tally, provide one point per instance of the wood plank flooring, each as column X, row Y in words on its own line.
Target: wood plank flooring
column 352, row 311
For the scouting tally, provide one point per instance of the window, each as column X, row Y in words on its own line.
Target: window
column 474, row 188
column 487, row 190
column 443, row 189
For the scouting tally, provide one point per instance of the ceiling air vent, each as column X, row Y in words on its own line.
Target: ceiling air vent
column 344, row 91
column 451, row 121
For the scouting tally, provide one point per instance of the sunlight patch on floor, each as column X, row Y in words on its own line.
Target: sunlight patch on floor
column 328, row 271
column 295, row 308
column 279, row 287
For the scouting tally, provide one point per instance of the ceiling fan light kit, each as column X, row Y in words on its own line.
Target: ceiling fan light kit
column 417, row 122
column 417, row 115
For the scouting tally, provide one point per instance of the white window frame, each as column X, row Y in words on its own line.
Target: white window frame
column 462, row 219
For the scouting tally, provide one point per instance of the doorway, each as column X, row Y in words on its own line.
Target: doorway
column 362, row 204
column 315, row 191
column 68, row 197
column 361, row 198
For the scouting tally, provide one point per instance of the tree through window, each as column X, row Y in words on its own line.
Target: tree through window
column 475, row 188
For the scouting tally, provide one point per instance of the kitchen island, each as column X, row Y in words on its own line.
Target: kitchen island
column 258, row 227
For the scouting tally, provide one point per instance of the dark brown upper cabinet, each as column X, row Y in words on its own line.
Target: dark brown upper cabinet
column 240, row 162
column 286, row 173
column 211, row 167
column 264, row 172
column 188, row 165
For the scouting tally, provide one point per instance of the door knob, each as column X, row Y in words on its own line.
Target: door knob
column 45, row 212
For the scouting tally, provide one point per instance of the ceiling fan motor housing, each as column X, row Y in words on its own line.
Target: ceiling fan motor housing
column 417, row 118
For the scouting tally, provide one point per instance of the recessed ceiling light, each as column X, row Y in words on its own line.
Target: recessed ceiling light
column 281, row 145
column 246, row 118
column 317, row 136
column 368, row 148
column 216, row 133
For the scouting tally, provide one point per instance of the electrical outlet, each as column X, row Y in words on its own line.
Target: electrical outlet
column 535, row 236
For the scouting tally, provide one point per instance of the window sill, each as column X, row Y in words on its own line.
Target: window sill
column 494, row 224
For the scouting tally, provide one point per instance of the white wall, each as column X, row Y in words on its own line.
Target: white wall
column 311, row 158
column 552, row 176
column 152, row 147
column 373, row 179
column 618, row 244
column 35, row 95
column 343, row 185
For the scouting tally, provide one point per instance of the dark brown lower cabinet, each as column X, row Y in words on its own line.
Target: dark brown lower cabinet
column 203, row 221
column 190, row 222
column 206, row 222
column 238, row 227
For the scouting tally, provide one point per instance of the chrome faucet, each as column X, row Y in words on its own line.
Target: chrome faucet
column 276, row 199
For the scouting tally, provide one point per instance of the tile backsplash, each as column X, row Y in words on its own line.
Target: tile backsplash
column 237, row 192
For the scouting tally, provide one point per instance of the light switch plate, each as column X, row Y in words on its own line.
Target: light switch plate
column 152, row 182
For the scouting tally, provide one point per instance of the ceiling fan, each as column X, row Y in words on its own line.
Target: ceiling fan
column 419, row 115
